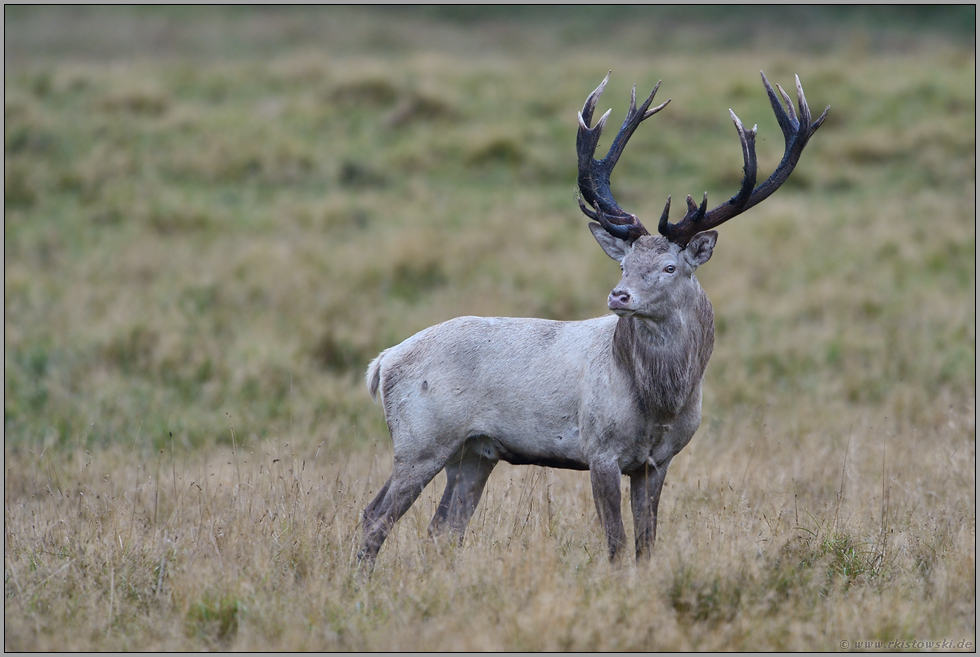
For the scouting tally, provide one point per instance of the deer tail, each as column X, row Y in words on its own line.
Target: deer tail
column 374, row 375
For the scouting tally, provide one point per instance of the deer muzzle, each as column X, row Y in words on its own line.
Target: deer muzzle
column 620, row 302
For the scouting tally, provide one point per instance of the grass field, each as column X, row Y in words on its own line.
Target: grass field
column 214, row 219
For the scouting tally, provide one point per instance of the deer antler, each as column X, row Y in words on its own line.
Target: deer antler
column 593, row 175
column 797, row 131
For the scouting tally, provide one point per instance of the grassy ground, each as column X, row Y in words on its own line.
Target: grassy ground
column 214, row 219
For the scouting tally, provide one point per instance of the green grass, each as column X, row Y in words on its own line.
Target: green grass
column 214, row 219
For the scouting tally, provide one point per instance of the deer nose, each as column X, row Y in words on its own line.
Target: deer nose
column 619, row 299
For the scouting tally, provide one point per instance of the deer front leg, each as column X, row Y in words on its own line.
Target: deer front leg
column 605, row 489
column 645, row 488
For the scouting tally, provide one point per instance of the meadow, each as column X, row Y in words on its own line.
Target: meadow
column 215, row 218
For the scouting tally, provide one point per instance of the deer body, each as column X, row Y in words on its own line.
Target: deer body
column 617, row 395
column 533, row 391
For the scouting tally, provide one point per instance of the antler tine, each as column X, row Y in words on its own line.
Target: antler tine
column 751, row 168
column 593, row 98
column 633, row 119
column 593, row 176
column 797, row 130
column 802, row 100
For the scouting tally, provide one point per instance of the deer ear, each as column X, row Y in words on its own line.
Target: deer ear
column 614, row 247
column 698, row 250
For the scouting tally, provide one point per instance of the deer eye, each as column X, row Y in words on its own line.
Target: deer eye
column 670, row 269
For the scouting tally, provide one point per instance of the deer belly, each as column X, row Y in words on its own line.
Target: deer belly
column 554, row 449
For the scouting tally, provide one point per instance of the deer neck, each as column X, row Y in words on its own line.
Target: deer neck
column 664, row 358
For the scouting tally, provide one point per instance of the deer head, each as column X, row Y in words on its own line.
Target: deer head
column 682, row 247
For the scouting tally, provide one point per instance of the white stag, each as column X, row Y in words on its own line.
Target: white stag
column 616, row 395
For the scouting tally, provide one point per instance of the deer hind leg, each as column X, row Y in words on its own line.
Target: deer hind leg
column 645, row 488
column 408, row 478
column 467, row 473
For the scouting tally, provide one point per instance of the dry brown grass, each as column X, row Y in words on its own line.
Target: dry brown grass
column 769, row 541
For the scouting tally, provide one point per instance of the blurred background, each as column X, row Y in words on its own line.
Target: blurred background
column 215, row 217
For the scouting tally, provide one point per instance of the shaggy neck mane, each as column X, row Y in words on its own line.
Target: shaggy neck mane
column 665, row 360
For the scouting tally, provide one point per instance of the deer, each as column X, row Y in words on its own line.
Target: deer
column 616, row 395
